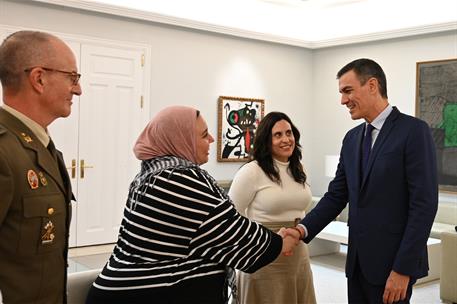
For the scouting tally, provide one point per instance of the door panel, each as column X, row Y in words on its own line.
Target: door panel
column 110, row 121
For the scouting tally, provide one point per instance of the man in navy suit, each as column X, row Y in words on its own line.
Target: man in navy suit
column 392, row 195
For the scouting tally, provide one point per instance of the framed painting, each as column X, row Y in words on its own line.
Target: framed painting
column 436, row 104
column 238, row 119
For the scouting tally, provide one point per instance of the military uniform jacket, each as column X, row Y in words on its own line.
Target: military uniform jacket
column 35, row 206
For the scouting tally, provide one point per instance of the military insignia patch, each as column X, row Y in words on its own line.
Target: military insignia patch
column 32, row 178
column 43, row 179
column 48, row 235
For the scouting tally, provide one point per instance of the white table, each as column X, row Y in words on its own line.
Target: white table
column 336, row 232
column 329, row 239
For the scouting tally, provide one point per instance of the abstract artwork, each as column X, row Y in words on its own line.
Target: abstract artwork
column 436, row 104
column 238, row 119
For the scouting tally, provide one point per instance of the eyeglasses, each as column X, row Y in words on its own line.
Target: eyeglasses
column 74, row 76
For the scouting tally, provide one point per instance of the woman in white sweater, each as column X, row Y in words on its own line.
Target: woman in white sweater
column 272, row 190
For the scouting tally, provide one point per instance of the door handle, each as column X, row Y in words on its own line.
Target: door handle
column 73, row 168
column 83, row 166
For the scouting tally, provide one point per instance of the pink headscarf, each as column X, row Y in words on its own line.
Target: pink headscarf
column 170, row 132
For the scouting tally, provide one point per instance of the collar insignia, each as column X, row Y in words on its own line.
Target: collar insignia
column 26, row 137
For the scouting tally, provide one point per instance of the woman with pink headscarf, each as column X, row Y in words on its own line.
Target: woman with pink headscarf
column 181, row 236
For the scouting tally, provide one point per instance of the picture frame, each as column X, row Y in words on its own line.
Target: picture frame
column 238, row 119
column 436, row 104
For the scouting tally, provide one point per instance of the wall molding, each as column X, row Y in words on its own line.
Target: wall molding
column 187, row 23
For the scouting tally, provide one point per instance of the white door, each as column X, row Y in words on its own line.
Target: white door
column 111, row 117
column 64, row 132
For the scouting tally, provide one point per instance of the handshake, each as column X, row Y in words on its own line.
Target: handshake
column 290, row 238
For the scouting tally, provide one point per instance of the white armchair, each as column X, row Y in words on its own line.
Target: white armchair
column 78, row 285
column 448, row 283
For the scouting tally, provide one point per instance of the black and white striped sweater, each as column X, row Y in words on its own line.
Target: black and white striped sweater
column 179, row 225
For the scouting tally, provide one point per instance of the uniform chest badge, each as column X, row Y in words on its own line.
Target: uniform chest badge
column 27, row 138
column 43, row 179
column 48, row 235
column 32, row 178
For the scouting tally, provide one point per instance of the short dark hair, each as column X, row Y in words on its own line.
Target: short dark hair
column 21, row 50
column 262, row 151
column 365, row 69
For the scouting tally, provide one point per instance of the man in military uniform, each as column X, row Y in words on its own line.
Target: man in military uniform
column 39, row 77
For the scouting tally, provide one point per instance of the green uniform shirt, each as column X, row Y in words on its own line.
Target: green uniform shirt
column 35, row 196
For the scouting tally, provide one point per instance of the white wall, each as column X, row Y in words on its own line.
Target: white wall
column 398, row 58
column 192, row 67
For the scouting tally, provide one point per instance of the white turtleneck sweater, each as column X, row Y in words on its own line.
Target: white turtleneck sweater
column 262, row 200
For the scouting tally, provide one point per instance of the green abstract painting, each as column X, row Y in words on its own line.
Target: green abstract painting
column 436, row 103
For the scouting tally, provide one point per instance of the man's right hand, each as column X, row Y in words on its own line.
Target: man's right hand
column 290, row 239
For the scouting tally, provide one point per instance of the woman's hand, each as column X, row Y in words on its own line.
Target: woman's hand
column 290, row 239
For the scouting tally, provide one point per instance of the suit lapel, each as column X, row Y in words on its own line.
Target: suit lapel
column 65, row 176
column 380, row 141
column 30, row 142
column 46, row 161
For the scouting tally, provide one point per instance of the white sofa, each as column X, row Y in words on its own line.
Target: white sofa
column 78, row 285
column 445, row 220
column 328, row 242
column 448, row 283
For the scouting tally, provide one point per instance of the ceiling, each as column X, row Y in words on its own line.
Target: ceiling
column 306, row 23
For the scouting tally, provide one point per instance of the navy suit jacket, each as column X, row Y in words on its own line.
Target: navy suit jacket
column 391, row 207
